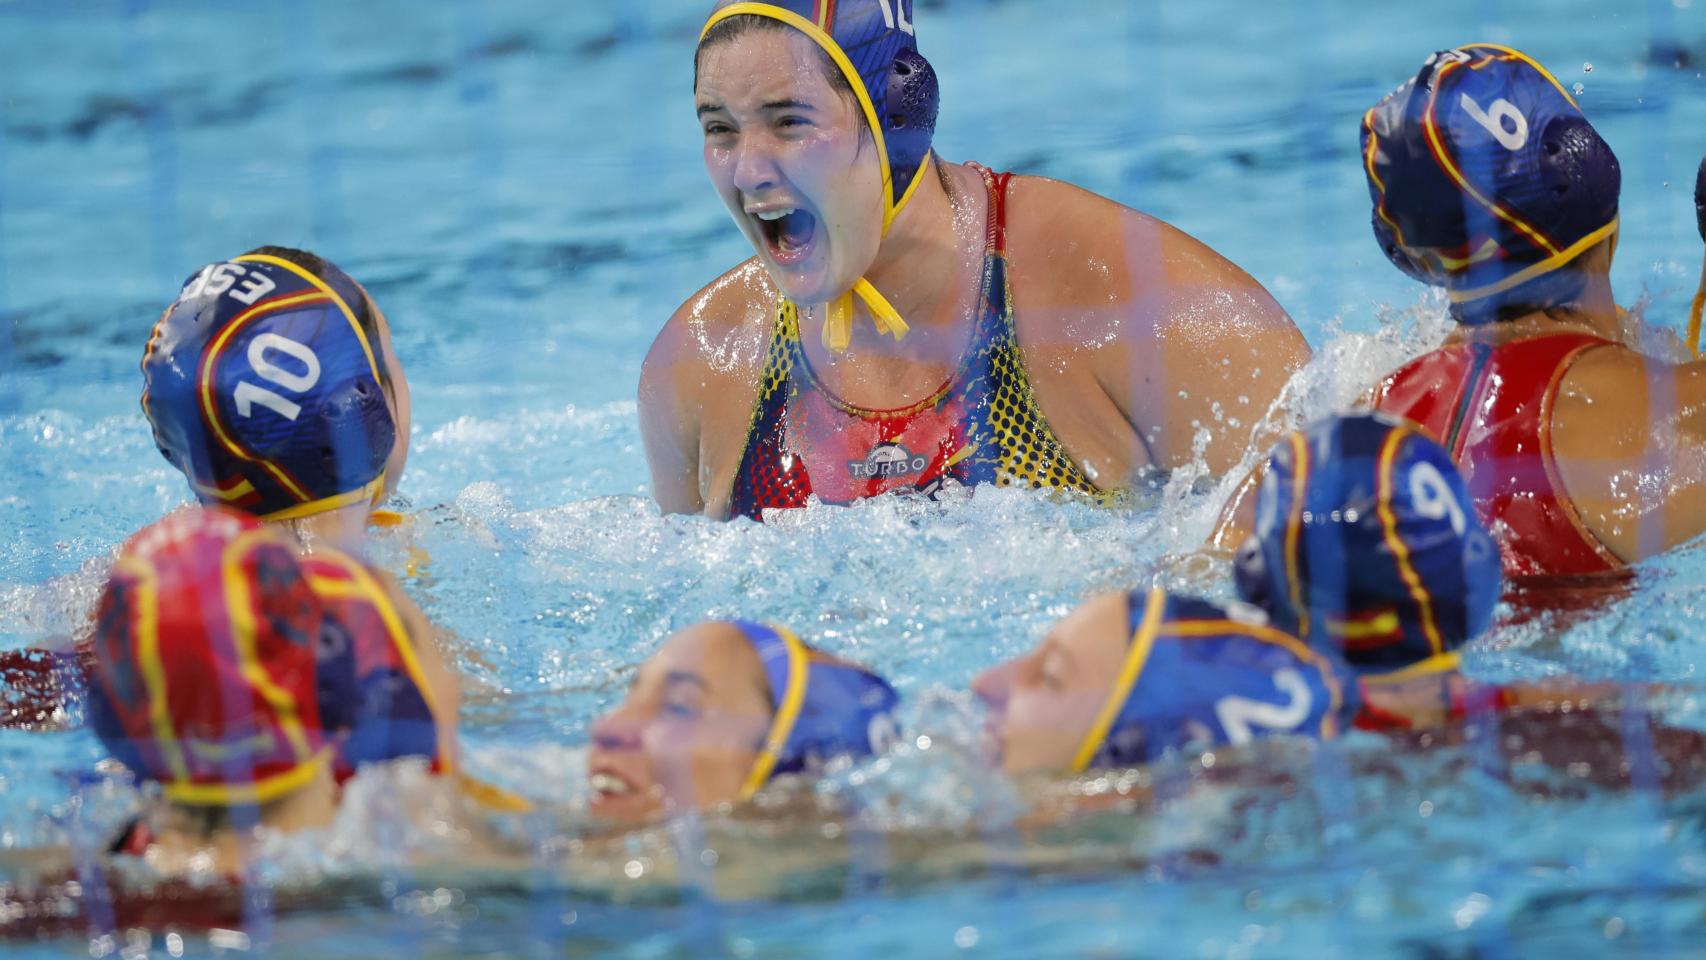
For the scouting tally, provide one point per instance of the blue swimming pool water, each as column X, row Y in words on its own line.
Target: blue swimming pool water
column 518, row 183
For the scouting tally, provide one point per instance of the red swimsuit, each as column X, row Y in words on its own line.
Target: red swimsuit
column 1491, row 407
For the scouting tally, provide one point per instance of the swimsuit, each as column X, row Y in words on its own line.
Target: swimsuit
column 1491, row 408
column 982, row 426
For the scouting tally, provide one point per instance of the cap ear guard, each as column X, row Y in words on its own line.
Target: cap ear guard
column 910, row 109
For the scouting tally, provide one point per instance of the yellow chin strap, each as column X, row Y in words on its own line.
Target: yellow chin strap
column 838, row 321
column 838, row 326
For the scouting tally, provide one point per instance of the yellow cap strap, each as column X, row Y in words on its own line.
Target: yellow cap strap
column 1138, row 655
column 1694, row 313
column 1431, row 667
column 491, row 796
column 787, row 714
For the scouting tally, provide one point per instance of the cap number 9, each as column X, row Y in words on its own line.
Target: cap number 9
column 1433, row 498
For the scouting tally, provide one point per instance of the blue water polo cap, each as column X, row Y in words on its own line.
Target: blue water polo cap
column 1196, row 672
column 1367, row 542
column 1487, row 180
column 874, row 45
column 264, row 388
column 825, row 708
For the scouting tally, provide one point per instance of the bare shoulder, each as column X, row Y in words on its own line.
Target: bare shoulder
column 1072, row 246
column 723, row 326
column 697, row 387
column 1178, row 337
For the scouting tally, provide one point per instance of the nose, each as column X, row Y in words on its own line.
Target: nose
column 755, row 166
column 993, row 686
column 617, row 730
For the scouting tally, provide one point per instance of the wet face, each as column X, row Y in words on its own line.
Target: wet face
column 1042, row 705
column 401, row 404
column 789, row 154
column 689, row 731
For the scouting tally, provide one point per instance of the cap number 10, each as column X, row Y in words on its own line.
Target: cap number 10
column 248, row 395
column 894, row 14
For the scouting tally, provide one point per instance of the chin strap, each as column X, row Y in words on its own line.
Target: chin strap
column 1694, row 314
column 838, row 319
column 838, row 325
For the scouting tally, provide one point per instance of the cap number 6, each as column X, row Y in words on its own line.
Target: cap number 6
column 248, row 394
column 1493, row 119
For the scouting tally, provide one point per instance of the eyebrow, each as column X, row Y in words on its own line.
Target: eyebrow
column 681, row 676
column 768, row 106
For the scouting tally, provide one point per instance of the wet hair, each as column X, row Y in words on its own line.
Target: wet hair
column 737, row 26
column 346, row 287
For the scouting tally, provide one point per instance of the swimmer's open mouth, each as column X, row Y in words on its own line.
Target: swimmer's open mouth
column 788, row 232
column 605, row 784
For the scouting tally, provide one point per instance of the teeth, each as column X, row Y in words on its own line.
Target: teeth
column 774, row 214
column 606, row 783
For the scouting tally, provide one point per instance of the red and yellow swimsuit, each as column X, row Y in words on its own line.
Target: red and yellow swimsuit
column 982, row 426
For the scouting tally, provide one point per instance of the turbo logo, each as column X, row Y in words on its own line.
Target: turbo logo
column 887, row 460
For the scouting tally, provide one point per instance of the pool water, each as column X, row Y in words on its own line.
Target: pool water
column 518, row 184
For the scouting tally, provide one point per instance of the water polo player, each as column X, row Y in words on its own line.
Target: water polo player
column 1367, row 545
column 721, row 709
column 272, row 385
column 1130, row 677
column 1368, row 572
column 1583, row 454
column 909, row 322
column 248, row 682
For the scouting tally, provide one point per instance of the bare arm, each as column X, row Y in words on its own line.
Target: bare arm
column 1629, row 435
column 697, row 390
column 669, row 425
column 1156, row 350
column 1226, row 351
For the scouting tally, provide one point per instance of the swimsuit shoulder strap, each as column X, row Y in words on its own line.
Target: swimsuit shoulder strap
column 996, row 241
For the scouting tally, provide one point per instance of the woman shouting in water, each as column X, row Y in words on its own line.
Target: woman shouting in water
column 908, row 322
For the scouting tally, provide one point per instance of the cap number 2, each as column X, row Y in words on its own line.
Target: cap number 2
column 1493, row 119
column 248, row 395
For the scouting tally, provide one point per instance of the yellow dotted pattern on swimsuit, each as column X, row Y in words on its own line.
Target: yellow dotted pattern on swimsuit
column 1027, row 452
column 1031, row 455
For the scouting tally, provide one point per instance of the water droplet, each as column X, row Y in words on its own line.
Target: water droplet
column 1587, row 68
column 1580, row 89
